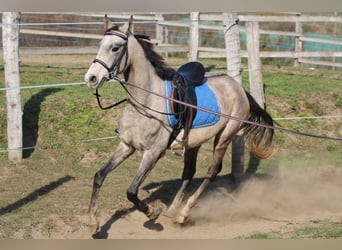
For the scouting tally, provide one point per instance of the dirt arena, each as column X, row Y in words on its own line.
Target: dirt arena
column 276, row 203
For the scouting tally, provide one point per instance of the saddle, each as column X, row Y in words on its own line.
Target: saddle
column 184, row 82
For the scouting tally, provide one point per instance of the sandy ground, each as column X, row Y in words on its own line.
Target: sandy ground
column 275, row 203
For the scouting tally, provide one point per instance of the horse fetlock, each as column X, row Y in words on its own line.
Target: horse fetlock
column 171, row 212
column 93, row 228
column 153, row 212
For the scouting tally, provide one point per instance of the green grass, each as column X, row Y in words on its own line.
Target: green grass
column 318, row 230
column 260, row 236
column 323, row 230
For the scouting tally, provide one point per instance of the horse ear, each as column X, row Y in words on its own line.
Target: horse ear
column 107, row 23
column 131, row 24
column 127, row 27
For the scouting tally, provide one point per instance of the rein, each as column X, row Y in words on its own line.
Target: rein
column 122, row 82
column 110, row 106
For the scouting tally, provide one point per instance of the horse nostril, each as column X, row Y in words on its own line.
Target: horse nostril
column 93, row 79
column 90, row 78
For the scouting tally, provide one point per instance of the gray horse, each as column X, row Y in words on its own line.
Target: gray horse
column 144, row 123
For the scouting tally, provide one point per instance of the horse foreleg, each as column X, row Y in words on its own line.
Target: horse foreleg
column 190, row 158
column 121, row 153
column 149, row 160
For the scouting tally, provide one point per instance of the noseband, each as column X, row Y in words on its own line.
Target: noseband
column 115, row 68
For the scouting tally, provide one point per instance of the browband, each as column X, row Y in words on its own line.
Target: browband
column 116, row 33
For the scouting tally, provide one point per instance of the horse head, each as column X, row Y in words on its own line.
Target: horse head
column 112, row 58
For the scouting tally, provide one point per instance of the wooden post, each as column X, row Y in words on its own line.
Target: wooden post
column 232, row 41
column 254, row 63
column 159, row 28
column 166, row 39
column 298, row 42
column 193, row 43
column 233, row 58
column 10, row 41
column 255, row 78
column 335, row 36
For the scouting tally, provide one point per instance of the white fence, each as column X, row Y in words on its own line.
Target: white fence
column 161, row 36
column 171, row 33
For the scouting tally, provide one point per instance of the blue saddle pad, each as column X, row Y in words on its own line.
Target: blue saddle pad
column 205, row 99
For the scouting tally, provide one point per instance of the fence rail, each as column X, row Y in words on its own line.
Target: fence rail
column 180, row 36
column 172, row 36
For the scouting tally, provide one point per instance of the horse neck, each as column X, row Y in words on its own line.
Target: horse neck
column 142, row 74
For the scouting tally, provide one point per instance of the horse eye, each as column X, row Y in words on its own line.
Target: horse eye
column 115, row 49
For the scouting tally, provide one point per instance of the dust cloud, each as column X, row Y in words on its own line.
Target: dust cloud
column 284, row 194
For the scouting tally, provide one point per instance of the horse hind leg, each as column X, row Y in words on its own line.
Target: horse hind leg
column 221, row 143
column 214, row 169
column 121, row 153
column 190, row 158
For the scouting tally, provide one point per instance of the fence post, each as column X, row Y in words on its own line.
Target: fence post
column 10, row 41
column 254, row 63
column 335, row 36
column 298, row 42
column 233, row 58
column 193, row 44
column 255, row 78
column 159, row 28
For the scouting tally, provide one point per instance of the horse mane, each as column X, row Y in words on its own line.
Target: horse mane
column 162, row 69
column 113, row 28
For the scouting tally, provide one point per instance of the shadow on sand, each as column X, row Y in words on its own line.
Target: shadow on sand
column 35, row 195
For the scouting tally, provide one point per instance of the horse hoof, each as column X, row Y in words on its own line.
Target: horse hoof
column 155, row 213
column 93, row 228
column 181, row 219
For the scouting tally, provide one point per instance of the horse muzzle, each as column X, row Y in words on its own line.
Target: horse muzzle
column 94, row 81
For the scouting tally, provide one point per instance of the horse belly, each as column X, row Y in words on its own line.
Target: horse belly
column 198, row 136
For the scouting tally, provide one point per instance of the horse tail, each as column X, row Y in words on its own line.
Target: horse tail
column 258, row 138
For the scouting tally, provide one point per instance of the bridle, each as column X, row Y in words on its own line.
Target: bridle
column 114, row 69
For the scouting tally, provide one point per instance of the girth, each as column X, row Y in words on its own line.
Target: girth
column 184, row 82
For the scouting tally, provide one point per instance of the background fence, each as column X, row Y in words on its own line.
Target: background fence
column 282, row 38
column 296, row 38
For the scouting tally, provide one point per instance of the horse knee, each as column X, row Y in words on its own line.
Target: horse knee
column 98, row 179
